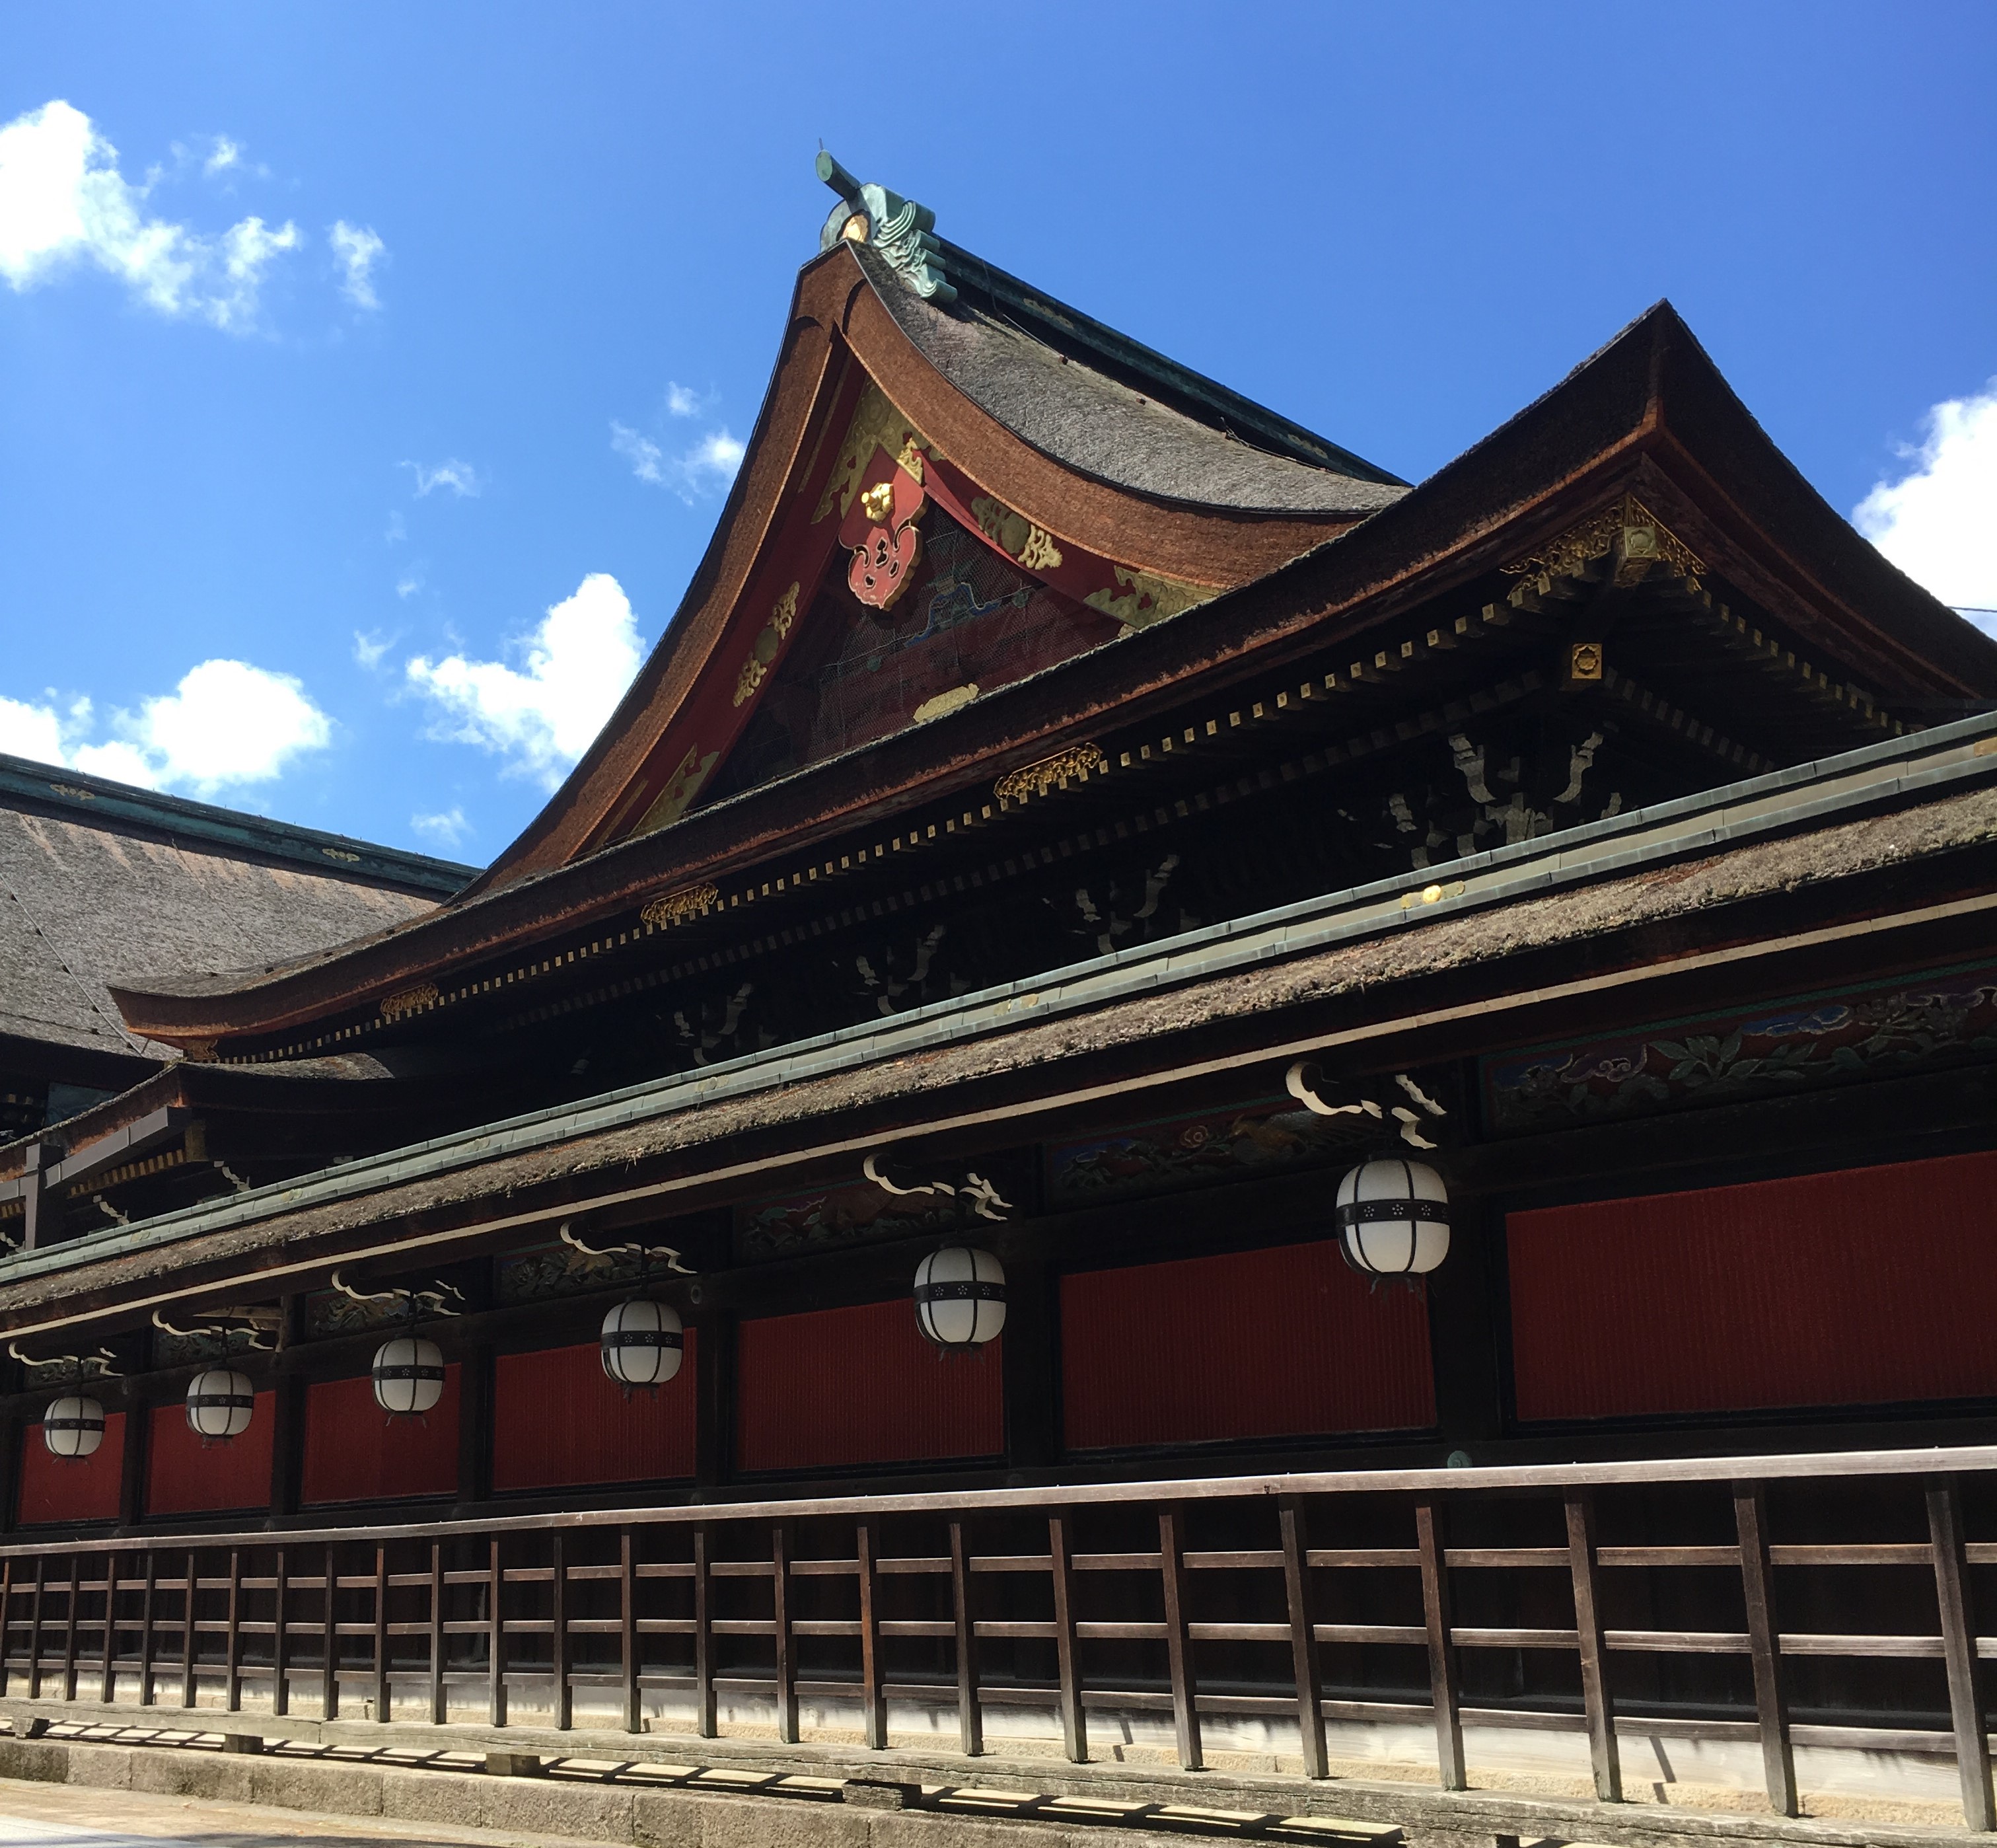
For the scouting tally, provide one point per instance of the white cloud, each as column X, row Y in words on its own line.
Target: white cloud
column 460, row 478
column 63, row 203
column 683, row 401
column 1936, row 521
column 359, row 250
column 369, row 648
column 448, row 828
column 226, row 722
column 709, row 464
column 646, row 459
column 227, row 153
column 397, row 530
column 409, row 584
column 577, row 664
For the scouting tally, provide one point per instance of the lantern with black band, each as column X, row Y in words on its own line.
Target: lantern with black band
column 643, row 1344
column 960, row 1296
column 1393, row 1218
column 72, row 1428
column 409, row 1375
column 220, row 1402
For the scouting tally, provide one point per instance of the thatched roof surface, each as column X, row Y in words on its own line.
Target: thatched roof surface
column 1366, row 980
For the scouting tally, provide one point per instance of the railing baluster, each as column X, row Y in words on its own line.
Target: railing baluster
column 780, row 1611
column 1303, row 1635
column 232, row 1658
column 437, row 1707
column 281, row 1637
column 1596, row 1702
column 627, row 1610
column 873, row 1699
column 74, row 1597
column 1758, row 1585
column 145, row 1620
column 1442, row 1650
column 970, row 1709
column 705, row 1717
column 329, row 1685
column 563, row 1706
column 495, row 1642
column 1958, row 1641
column 108, row 1681
column 383, row 1693
column 1068, row 1663
column 1178, row 1645
column 187, row 1637
column 35, row 1629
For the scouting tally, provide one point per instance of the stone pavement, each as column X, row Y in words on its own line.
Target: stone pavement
column 41, row 1815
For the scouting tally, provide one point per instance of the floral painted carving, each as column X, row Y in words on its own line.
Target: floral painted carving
column 1886, row 1030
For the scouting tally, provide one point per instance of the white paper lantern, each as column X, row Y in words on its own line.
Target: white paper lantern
column 959, row 1297
column 1393, row 1218
column 73, row 1428
column 408, row 1376
column 643, row 1343
column 219, row 1403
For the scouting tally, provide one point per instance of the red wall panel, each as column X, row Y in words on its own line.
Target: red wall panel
column 1283, row 1342
column 355, row 1452
column 1860, row 1288
column 860, row 1386
column 557, row 1421
column 52, row 1489
column 183, row 1478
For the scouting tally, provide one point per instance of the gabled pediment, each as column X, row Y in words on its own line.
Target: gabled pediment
column 934, row 502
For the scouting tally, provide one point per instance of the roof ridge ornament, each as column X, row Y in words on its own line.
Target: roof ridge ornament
column 898, row 229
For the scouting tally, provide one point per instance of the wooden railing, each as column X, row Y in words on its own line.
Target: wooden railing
column 1200, row 1598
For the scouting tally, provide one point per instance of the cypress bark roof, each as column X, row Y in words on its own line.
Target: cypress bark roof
column 98, row 880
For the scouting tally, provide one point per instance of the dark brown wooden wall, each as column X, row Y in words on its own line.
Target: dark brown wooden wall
column 1273, row 1343
column 1862, row 1287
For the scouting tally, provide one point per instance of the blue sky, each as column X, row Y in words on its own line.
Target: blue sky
column 386, row 331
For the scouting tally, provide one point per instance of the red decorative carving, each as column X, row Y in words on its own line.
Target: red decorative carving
column 880, row 530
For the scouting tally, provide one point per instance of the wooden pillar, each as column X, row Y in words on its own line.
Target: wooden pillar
column 1178, row 1642
column 1031, row 1362
column 714, row 1400
column 1436, row 1612
column 781, row 1541
column 1074, row 1721
column 474, row 1423
column 964, row 1610
column 1758, row 1585
column 41, row 1209
column 873, row 1677
column 564, row 1704
column 706, row 1721
column 1465, row 1308
column 1603, row 1752
column 1958, row 1641
column 1303, row 1635
column 627, row 1627
column 133, row 1463
column 288, row 1444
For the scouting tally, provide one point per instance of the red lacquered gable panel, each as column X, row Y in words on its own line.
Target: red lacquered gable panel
column 184, row 1478
column 85, row 1490
column 1286, row 1342
column 1860, row 1288
column 558, row 1421
column 840, row 1387
column 355, row 1452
